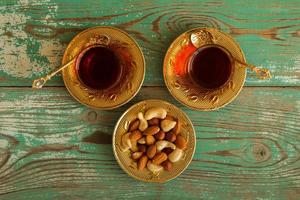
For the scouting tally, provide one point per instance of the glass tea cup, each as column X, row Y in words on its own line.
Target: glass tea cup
column 103, row 68
column 205, row 69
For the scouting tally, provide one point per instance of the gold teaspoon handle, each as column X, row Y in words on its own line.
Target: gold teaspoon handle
column 39, row 83
column 261, row 73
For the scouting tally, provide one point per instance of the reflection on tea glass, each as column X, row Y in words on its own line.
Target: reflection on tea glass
column 210, row 67
column 98, row 67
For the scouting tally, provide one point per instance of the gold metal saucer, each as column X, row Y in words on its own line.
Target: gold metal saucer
column 124, row 158
column 183, row 89
column 126, row 90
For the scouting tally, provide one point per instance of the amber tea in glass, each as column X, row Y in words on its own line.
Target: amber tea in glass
column 98, row 67
column 210, row 67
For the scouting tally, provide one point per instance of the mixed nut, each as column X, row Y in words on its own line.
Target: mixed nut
column 154, row 140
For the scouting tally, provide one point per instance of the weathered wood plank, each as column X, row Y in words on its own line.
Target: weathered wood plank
column 33, row 34
column 51, row 147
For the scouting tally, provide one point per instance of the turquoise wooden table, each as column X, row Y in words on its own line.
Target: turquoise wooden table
column 52, row 147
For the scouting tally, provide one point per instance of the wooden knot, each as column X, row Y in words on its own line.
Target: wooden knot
column 258, row 152
column 261, row 152
column 92, row 116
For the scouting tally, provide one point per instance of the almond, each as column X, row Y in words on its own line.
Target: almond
column 136, row 155
column 134, row 125
column 153, row 121
column 160, row 135
column 142, row 148
column 150, row 139
column 159, row 158
column 181, row 142
column 152, row 130
column 176, row 129
column 136, row 135
column 151, row 151
column 167, row 165
column 142, row 163
column 171, row 137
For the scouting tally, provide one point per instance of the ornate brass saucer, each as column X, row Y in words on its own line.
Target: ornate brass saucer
column 175, row 69
column 124, row 157
column 132, row 59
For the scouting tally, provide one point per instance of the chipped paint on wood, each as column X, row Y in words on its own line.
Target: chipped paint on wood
column 35, row 33
column 21, row 55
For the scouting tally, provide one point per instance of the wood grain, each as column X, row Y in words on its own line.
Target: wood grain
column 33, row 35
column 54, row 148
column 51, row 147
